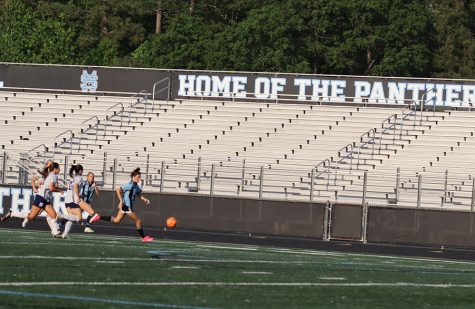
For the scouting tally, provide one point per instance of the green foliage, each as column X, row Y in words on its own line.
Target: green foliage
column 423, row 38
column 26, row 37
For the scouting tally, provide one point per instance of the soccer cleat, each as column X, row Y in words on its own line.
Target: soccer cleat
column 58, row 235
column 95, row 218
column 64, row 237
column 88, row 230
column 24, row 223
column 147, row 239
column 7, row 216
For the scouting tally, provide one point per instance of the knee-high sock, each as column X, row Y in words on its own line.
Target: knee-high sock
column 19, row 214
column 67, row 228
column 52, row 225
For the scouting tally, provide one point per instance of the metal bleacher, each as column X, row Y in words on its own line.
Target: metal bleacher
column 404, row 155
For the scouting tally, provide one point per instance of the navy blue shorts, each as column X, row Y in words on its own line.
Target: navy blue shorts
column 127, row 209
column 39, row 201
column 71, row 205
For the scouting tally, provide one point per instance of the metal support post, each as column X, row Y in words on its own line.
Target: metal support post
column 104, row 168
column 4, row 166
column 261, row 181
column 211, row 185
column 398, row 183
column 473, row 195
column 419, row 190
column 198, row 176
column 444, row 200
column 114, row 174
column 66, row 157
column 162, row 176
column 243, row 175
column 312, row 177
column 365, row 182
column 364, row 222
column 147, row 169
column 20, row 170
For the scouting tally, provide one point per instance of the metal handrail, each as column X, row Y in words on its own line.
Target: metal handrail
column 70, row 142
column 366, row 143
column 33, row 149
column 349, row 146
column 327, row 170
column 97, row 130
column 107, row 119
column 137, row 95
column 168, row 87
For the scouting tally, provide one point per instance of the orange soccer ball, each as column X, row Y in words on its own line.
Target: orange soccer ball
column 171, row 222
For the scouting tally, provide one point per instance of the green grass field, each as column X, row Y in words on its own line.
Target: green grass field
column 87, row 271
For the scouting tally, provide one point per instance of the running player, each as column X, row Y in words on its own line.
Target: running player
column 127, row 194
column 43, row 200
column 87, row 190
column 71, row 200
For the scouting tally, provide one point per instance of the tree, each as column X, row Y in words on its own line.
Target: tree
column 26, row 37
column 455, row 54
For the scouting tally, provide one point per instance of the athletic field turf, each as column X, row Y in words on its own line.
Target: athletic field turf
column 37, row 271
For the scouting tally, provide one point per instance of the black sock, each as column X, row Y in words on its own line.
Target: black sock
column 142, row 234
column 106, row 218
column 88, row 219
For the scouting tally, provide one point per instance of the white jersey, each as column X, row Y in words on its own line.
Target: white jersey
column 70, row 196
column 44, row 189
column 40, row 181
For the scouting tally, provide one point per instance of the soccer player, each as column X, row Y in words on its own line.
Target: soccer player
column 71, row 200
column 127, row 194
column 87, row 190
column 43, row 200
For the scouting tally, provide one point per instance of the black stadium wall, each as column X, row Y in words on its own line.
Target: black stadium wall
column 272, row 218
column 241, row 85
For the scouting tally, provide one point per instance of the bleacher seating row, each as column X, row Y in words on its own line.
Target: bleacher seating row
column 249, row 149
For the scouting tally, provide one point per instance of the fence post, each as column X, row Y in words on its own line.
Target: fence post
column 198, row 177
column 104, row 168
column 312, row 177
column 20, row 171
column 162, row 176
column 261, row 181
column 473, row 194
column 147, row 169
column 66, row 157
column 364, row 222
column 419, row 190
column 4, row 166
column 243, row 175
column 365, row 182
column 398, row 183
column 444, row 200
column 211, row 185
column 114, row 174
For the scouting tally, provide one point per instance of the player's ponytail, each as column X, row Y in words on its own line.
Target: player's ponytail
column 135, row 172
column 75, row 170
column 72, row 171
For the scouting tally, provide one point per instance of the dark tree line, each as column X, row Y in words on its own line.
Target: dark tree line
column 423, row 38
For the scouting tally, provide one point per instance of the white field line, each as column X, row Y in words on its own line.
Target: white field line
column 110, row 262
column 185, row 267
column 332, row 278
column 304, row 252
column 369, row 255
column 228, row 248
column 256, row 272
column 220, row 284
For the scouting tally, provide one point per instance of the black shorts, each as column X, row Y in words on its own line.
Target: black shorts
column 39, row 201
column 126, row 209
column 71, row 205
